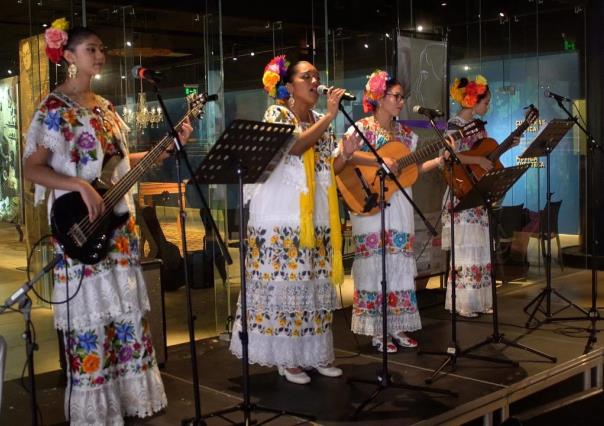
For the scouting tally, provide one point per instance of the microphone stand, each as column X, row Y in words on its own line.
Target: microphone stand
column 181, row 156
column 593, row 315
column 384, row 379
column 21, row 297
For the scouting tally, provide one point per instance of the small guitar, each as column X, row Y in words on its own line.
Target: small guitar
column 356, row 183
column 88, row 241
column 489, row 149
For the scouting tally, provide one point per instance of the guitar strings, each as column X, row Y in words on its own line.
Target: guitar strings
column 116, row 193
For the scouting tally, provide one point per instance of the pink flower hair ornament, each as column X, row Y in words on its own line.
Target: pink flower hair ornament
column 375, row 89
column 56, row 39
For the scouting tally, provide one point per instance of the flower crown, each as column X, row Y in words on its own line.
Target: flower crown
column 467, row 95
column 375, row 89
column 56, row 38
column 273, row 78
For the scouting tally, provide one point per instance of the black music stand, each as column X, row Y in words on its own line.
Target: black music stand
column 490, row 190
column 543, row 145
column 246, row 153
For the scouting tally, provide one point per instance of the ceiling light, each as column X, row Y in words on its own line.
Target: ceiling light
column 466, row 68
column 420, row 28
column 387, row 35
column 366, row 46
column 443, row 4
column 501, row 14
column 252, row 54
column 123, row 77
column 129, row 43
column 10, row 71
column 97, row 76
column 234, row 58
column 44, row 25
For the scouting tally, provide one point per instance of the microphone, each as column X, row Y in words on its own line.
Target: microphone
column 146, row 74
column 555, row 96
column 323, row 89
column 16, row 296
column 428, row 112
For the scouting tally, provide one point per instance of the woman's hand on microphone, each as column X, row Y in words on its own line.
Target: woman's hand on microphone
column 334, row 96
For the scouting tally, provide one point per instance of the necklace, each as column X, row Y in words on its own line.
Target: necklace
column 309, row 117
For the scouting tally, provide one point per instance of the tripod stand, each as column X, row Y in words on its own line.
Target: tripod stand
column 384, row 379
column 543, row 145
column 21, row 297
column 593, row 315
column 246, row 152
column 490, row 190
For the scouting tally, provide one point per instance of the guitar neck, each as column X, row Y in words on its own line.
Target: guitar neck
column 507, row 143
column 425, row 152
column 115, row 194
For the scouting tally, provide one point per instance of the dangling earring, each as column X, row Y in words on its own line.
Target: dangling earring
column 291, row 101
column 72, row 70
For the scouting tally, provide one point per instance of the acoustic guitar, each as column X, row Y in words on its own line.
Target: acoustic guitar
column 489, row 149
column 88, row 241
column 360, row 184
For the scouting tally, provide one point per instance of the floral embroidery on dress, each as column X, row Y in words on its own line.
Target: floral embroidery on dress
column 121, row 353
column 290, row 324
column 325, row 145
column 369, row 303
column 378, row 137
column 474, row 276
column 370, row 244
column 282, row 259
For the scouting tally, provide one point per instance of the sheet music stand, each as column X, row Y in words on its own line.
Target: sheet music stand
column 541, row 146
column 246, row 152
column 490, row 190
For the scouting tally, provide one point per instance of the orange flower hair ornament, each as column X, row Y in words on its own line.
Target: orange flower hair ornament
column 272, row 78
column 56, row 39
column 466, row 92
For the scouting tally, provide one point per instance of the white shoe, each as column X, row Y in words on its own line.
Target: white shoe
column 300, row 378
column 330, row 371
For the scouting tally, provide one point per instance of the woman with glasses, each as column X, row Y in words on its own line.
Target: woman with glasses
column 384, row 98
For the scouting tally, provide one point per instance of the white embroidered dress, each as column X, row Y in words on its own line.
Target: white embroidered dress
column 290, row 296
column 403, row 314
column 472, row 258
column 111, row 363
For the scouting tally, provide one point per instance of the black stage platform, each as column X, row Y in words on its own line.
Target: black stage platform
column 332, row 401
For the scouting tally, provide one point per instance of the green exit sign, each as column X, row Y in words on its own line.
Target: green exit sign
column 191, row 89
column 569, row 45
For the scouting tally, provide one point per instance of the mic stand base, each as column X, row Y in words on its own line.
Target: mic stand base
column 246, row 407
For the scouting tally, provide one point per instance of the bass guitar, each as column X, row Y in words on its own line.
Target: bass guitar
column 489, row 149
column 358, row 183
column 88, row 241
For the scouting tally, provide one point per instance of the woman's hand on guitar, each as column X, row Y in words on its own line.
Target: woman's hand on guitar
column 350, row 144
column 391, row 164
column 185, row 131
column 516, row 140
column 93, row 200
column 485, row 163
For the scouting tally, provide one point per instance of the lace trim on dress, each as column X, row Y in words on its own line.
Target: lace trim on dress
column 139, row 396
column 372, row 326
column 291, row 296
column 305, row 352
column 101, row 298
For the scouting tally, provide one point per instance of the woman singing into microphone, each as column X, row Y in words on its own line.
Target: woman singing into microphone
column 293, row 257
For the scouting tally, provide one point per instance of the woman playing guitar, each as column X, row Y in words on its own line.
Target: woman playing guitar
column 472, row 258
column 384, row 97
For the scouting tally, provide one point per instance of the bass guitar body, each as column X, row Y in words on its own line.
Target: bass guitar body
column 351, row 180
column 461, row 185
column 80, row 239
